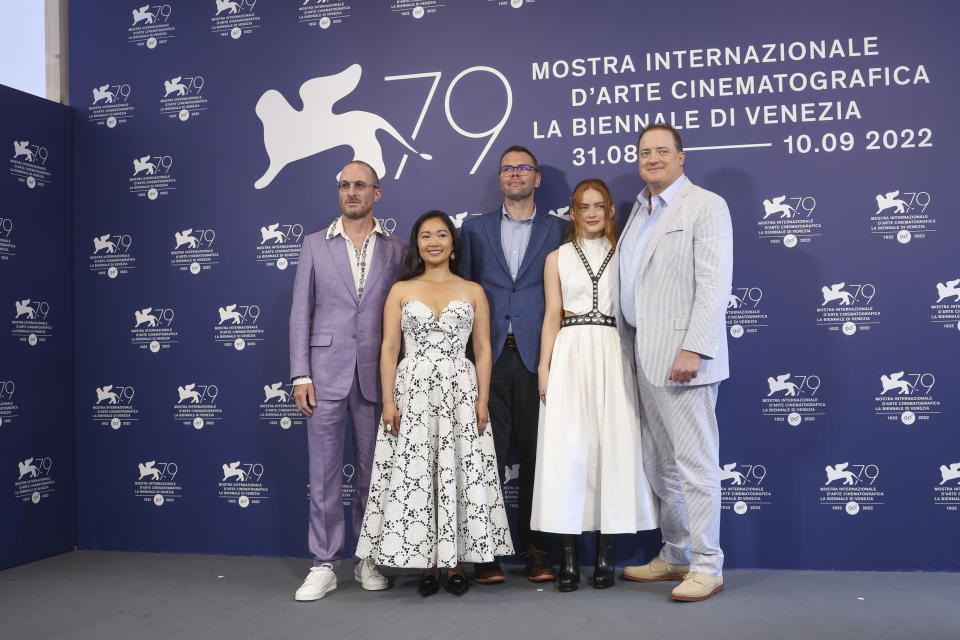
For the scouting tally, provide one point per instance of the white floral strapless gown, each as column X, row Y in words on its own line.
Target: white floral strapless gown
column 435, row 497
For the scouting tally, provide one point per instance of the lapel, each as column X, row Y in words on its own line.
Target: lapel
column 669, row 218
column 631, row 219
column 378, row 264
column 341, row 264
column 492, row 224
column 537, row 237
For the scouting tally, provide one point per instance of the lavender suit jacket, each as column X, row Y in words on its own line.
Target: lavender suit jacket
column 331, row 332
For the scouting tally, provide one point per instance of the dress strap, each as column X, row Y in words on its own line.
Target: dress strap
column 594, row 316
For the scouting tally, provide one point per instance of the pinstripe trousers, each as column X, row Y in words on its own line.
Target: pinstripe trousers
column 681, row 455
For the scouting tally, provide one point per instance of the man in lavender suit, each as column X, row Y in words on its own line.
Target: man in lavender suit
column 343, row 278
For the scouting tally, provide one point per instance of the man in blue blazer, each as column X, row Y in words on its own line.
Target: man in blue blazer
column 504, row 251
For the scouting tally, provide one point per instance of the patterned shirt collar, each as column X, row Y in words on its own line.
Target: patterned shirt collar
column 336, row 228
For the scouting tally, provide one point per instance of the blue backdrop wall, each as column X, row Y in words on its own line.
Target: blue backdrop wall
column 37, row 503
column 209, row 134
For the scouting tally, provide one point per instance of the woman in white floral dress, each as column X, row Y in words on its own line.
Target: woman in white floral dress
column 435, row 499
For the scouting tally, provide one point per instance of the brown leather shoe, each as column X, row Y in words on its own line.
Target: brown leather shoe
column 488, row 573
column 538, row 565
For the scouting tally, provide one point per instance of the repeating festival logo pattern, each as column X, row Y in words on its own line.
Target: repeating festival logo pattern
column 794, row 398
column 114, row 406
column 111, row 256
column 153, row 328
column 151, row 26
column 234, row 18
column 415, row 9
column 28, row 164
column 902, row 215
column 30, row 323
column 8, row 248
column 111, row 105
column 946, row 310
column 946, row 492
column 196, row 405
column 741, row 488
column 322, row 13
column 745, row 316
column 193, row 250
column 848, row 307
column 238, row 326
column 907, row 396
column 35, row 480
column 183, row 97
column 152, row 176
column 280, row 244
column 788, row 220
column 8, row 408
column 157, row 483
column 851, row 488
column 242, row 484
column 277, row 409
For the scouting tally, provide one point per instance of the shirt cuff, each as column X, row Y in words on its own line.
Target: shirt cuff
column 302, row 380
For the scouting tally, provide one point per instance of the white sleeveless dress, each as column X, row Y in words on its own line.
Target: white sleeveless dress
column 589, row 473
column 435, row 497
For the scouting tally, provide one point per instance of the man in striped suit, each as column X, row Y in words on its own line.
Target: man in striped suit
column 676, row 264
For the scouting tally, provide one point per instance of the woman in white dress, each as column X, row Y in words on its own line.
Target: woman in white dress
column 589, row 474
column 435, row 499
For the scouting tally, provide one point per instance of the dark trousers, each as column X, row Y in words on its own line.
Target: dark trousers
column 514, row 412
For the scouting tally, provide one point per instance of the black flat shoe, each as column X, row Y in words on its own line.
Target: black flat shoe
column 429, row 584
column 457, row 584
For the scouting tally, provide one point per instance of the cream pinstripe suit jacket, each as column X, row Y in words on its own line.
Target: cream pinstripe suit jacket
column 683, row 287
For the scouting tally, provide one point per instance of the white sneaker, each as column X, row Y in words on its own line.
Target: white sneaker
column 367, row 575
column 320, row 581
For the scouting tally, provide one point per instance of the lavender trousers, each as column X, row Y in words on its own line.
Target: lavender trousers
column 326, row 431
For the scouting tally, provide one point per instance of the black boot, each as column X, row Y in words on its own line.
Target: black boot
column 603, row 574
column 570, row 564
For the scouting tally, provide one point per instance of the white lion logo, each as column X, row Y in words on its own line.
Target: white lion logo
column 290, row 135
column 24, row 308
column 223, row 5
column 20, row 149
column 231, row 470
column 185, row 237
column 187, row 391
column 272, row 232
column 949, row 473
column 103, row 242
column 835, row 292
column 143, row 13
column 149, row 470
column 102, row 93
column 777, row 205
column 174, row 86
column 893, row 381
column 144, row 164
column 229, row 313
column 727, row 473
column 274, row 391
column 781, row 383
column 951, row 288
column 144, row 315
column 107, row 393
column 838, row 472
column 27, row 467
column 890, row 200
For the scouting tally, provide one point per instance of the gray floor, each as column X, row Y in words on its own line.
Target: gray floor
column 109, row 595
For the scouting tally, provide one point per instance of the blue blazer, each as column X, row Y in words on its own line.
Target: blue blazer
column 522, row 301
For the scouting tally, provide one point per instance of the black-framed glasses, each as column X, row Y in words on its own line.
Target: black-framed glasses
column 359, row 185
column 522, row 169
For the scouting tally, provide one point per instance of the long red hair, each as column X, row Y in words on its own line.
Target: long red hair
column 610, row 231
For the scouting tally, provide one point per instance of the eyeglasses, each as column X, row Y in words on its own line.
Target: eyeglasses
column 359, row 185
column 522, row 169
